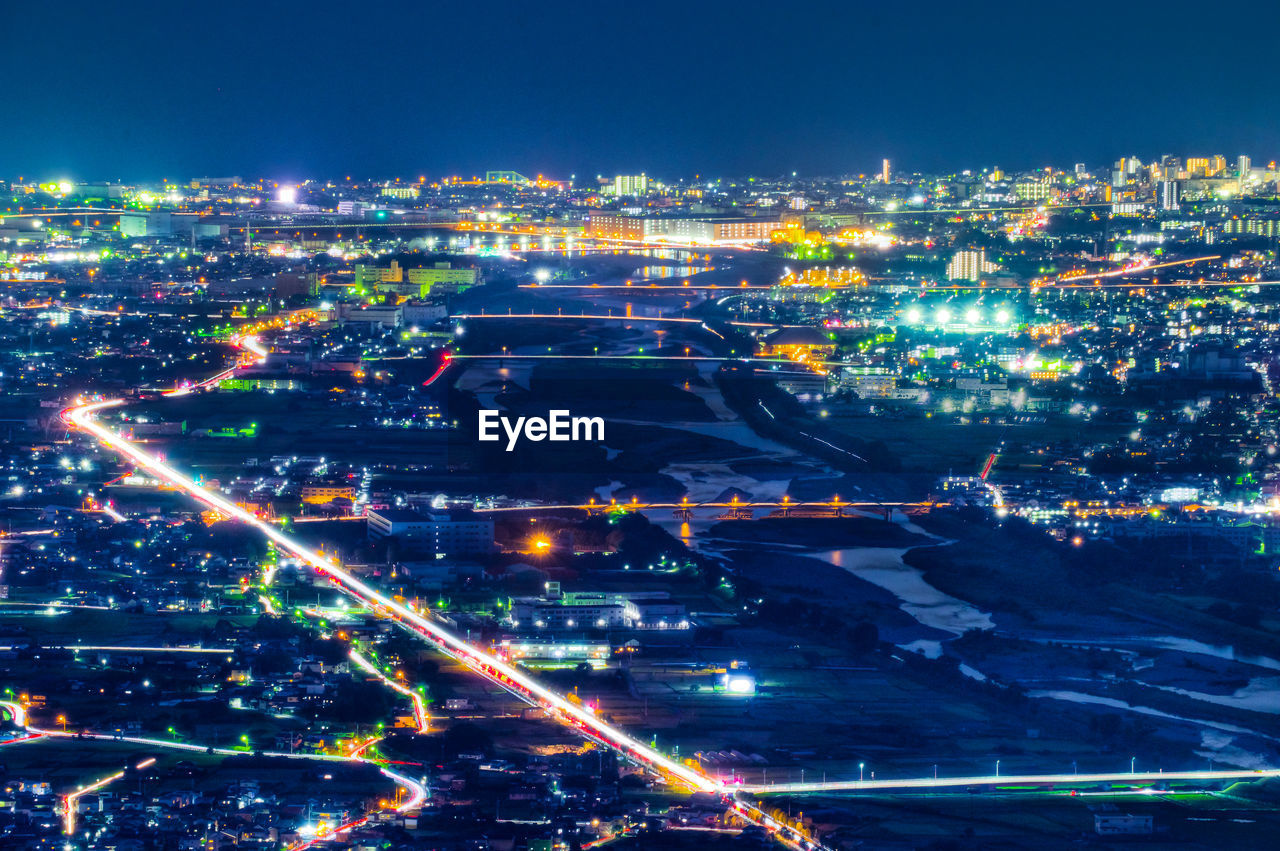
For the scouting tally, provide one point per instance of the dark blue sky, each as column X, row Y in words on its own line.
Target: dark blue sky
column 140, row 90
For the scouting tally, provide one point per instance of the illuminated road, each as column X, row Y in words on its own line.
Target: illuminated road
column 1134, row 270
column 132, row 648
column 1067, row 780
column 622, row 317
column 650, row 286
column 476, row 232
column 83, row 416
column 1089, row 280
column 419, row 705
column 416, row 798
column 832, row 505
column 69, row 802
column 496, row 670
column 509, row 677
column 672, row 358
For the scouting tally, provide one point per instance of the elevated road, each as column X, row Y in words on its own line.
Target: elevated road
column 83, row 416
column 835, row 505
column 616, row 317
column 1073, row 780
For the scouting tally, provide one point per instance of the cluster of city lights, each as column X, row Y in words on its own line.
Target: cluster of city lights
column 972, row 316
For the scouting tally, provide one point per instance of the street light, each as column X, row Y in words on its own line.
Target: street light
column 1132, row 761
column 997, row 768
column 861, row 766
column 62, row 719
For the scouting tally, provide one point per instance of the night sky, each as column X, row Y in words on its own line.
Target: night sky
column 143, row 90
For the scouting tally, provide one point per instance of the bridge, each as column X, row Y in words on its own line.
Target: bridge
column 1074, row 779
column 619, row 317
column 735, row 509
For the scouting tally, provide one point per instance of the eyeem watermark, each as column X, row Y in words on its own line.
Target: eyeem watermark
column 556, row 426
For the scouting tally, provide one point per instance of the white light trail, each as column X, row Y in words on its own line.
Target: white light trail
column 505, row 675
column 69, row 802
column 82, row 416
column 419, row 706
column 417, row 792
column 108, row 510
column 1010, row 780
column 136, row 649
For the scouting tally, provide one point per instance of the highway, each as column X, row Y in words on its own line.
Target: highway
column 786, row 504
column 76, row 648
column 83, row 416
column 646, row 285
column 621, row 317
column 1088, row 280
column 672, row 358
column 1065, row 780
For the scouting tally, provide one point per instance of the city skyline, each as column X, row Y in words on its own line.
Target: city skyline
column 675, row 426
column 702, row 89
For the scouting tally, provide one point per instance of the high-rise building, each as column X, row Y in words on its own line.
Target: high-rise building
column 1217, row 165
column 1197, row 166
column 970, row 265
column 630, row 184
column 1120, row 172
column 1243, row 166
column 1170, row 195
column 885, row 173
column 1081, row 170
column 1126, row 172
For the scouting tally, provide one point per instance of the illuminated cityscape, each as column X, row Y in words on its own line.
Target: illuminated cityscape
column 695, row 484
